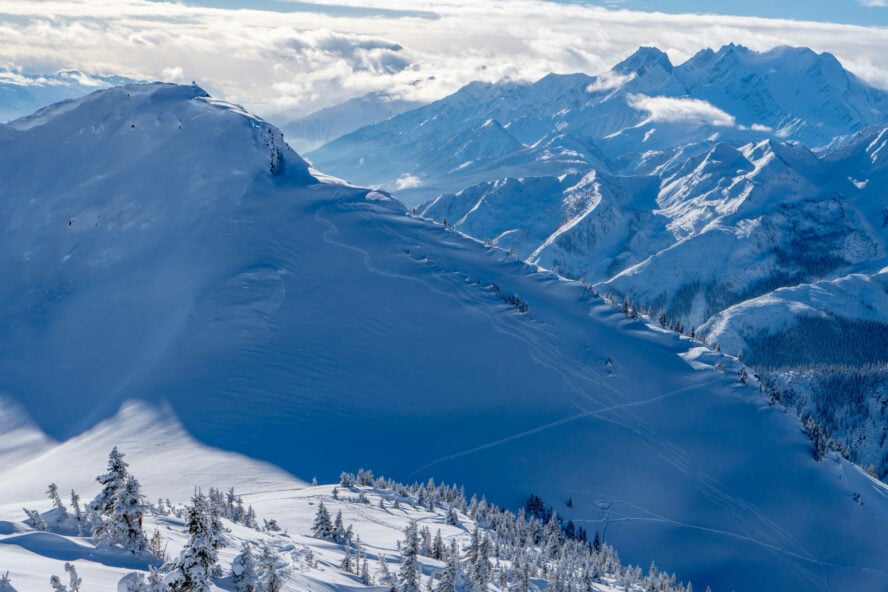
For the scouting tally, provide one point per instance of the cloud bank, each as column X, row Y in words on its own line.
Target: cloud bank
column 670, row 109
column 306, row 56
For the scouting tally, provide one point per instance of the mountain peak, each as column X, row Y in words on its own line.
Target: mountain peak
column 644, row 60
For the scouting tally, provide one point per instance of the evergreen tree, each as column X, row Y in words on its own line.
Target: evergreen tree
column 197, row 561
column 250, row 518
column 243, row 571
column 439, row 551
column 156, row 545
column 322, row 527
column 36, row 520
column 78, row 515
column 338, row 534
column 112, row 482
column 269, row 576
column 119, row 507
column 365, row 574
column 451, row 574
column 481, row 568
column 73, row 580
column 53, row 493
column 408, row 577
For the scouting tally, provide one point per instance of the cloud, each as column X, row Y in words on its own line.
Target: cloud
column 311, row 55
column 671, row 109
column 874, row 3
column 408, row 181
column 608, row 81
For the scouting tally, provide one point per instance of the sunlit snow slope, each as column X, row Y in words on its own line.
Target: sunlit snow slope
column 158, row 245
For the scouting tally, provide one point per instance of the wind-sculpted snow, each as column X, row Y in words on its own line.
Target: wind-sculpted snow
column 164, row 247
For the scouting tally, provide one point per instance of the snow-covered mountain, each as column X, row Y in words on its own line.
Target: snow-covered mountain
column 162, row 246
column 23, row 93
column 320, row 127
column 628, row 120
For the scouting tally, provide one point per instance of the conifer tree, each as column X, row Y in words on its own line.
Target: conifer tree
column 78, row 515
column 338, row 534
column 451, row 573
column 322, row 527
column 408, row 577
column 197, row 561
column 119, row 507
column 269, row 576
column 439, row 551
column 53, row 494
column 365, row 574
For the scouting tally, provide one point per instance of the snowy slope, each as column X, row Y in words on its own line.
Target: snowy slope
column 192, row 258
column 377, row 514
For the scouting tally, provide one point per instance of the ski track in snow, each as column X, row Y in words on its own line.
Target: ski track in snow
column 767, row 534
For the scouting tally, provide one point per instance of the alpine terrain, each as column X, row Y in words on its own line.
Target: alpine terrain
column 181, row 284
column 737, row 197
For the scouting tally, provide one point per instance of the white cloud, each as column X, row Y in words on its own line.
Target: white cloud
column 408, row 181
column 671, row 109
column 874, row 3
column 608, row 81
column 285, row 64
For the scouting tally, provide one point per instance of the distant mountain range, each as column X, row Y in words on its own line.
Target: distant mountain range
column 631, row 120
column 314, row 130
column 23, row 93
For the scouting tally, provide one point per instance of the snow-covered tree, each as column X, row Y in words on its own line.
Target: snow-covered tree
column 338, row 533
column 451, row 575
column 408, row 577
column 481, row 568
column 197, row 561
column 439, row 551
column 322, row 527
column 157, row 546
column 35, row 519
column 269, row 575
column 112, row 483
column 52, row 493
column 243, row 571
column 365, row 574
column 136, row 582
column 74, row 580
column 78, row 515
column 119, row 507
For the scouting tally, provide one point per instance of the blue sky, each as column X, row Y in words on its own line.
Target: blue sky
column 855, row 12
